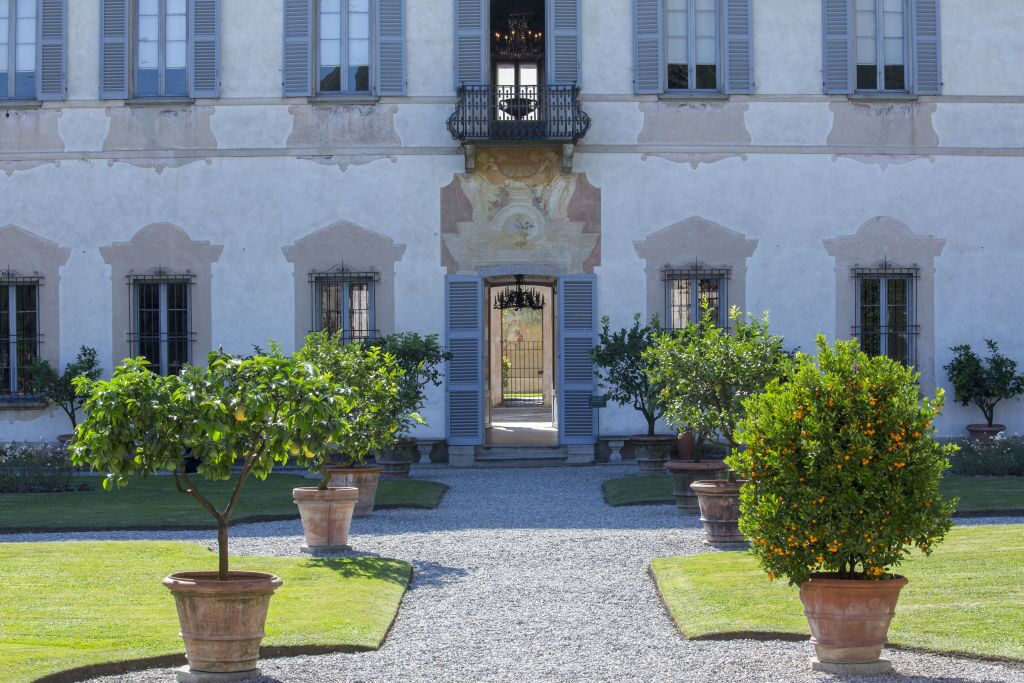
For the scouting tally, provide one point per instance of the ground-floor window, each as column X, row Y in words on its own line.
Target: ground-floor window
column 343, row 302
column 19, row 332
column 687, row 290
column 885, row 310
column 162, row 321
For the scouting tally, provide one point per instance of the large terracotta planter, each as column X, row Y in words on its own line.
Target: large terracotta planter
column 719, row 501
column 685, row 473
column 363, row 478
column 980, row 433
column 222, row 621
column 686, row 444
column 397, row 462
column 652, row 452
column 849, row 619
column 326, row 516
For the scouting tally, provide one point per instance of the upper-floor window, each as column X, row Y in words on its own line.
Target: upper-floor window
column 343, row 302
column 162, row 321
column 161, row 48
column 343, row 50
column 886, row 312
column 19, row 332
column 687, row 291
column 18, row 49
column 691, row 34
column 881, row 45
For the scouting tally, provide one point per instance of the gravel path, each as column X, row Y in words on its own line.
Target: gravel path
column 528, row 575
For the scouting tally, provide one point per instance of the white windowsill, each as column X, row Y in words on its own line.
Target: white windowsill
column 24, row 404
column 344, row 99
column 882, row 97
column 158, row 101
column 20, row 104
column 695, row 96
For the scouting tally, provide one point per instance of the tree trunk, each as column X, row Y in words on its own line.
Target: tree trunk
column 222, row 549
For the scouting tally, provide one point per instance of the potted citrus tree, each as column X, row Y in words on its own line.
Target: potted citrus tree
column 843, row 471
column 985, row 383
column 58, row 388
column 706, row 372
column 237, row 417
column 619, row 366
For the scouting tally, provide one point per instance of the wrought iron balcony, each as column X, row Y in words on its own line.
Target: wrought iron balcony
column 509, row 113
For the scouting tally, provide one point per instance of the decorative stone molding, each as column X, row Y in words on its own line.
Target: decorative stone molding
column 357, row 249
column 694, row 240
column 166, row 246
column 887, row 239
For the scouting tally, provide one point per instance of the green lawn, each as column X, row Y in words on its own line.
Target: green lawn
column 965, row 598
column 69, row 605
column 153, row 503
column 976, row 493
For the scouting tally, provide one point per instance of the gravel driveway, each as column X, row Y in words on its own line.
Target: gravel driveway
column 526, row 574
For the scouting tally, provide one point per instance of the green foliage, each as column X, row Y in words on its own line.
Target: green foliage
column 59, row 388
column 420, row 357
column 34, row 468
column 842, row 467
column 983, row 383
column 707, row 372
column 621, row 369
column 1001, row 456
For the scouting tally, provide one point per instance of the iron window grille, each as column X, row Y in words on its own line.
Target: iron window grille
column 687, row 288
column 19, row 332
column 343, row 301
column 886, row 310
column 160, row 318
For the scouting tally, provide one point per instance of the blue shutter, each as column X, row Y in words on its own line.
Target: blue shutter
column 205, row 48
column 738, row 53
column 837, row 46
column 52, row 51
column 924, row 31
column 563, row 48
column 391, row 47
column 298, row 48
column 472, row 44
column 464, row 303
column 114, row 50
column 648, row 55
column 577, row 323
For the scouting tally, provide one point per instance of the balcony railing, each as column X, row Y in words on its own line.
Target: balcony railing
column 509, row 113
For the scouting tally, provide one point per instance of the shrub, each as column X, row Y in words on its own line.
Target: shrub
column 843, row 467
column 34, row 468
column 59, row 388
column 999, row 457
column 420, row 358
column 986, row 383
column 620, row 367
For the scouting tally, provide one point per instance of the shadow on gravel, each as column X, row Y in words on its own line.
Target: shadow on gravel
column 435, row 575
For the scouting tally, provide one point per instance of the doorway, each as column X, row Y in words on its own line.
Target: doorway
column 521, row 384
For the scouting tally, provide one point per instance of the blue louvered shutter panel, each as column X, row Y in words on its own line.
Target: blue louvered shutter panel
column 205, row 48
column 472, row 42
column 648, row 55
column 390, row 47
column 738, row 52
column 114, row 49
column 924, row 31
column 464, row 302
column 52, row 81
column 298, row 48
column 577, row 327
column 563, row 48
column 837, row 46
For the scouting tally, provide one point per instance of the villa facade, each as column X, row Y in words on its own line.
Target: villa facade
column 182, row 175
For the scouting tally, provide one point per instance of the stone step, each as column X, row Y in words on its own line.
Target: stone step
column 511, row 456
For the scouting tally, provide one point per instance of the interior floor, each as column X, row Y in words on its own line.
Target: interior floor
column 526, row 426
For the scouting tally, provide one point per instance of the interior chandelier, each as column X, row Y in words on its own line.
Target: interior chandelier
column 519, row 42
column 519, row 298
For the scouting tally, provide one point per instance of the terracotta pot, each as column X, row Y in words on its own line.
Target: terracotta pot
column 363, row 478
column 849, row 619
column 685, row 473
column 222, row 621
column 719, row 501
column 980, row 433
column 326, row 516
column 397, row 462
column 686, row 443
column 652, row 452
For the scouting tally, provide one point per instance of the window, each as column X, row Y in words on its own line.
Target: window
column 161, row 30
column 343, row 302
column 881, row 45
column 692, row 44
column 344, row 46
column 162, row 321
column 18, row 49
column 886, row 312
column 19, row 332
column 686, row 292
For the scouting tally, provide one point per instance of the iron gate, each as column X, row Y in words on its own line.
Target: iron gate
column 522, row 373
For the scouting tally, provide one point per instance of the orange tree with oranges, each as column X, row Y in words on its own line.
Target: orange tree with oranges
column 842, row 467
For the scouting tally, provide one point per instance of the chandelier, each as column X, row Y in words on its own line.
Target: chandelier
column 519, row 298
column 519, row 43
